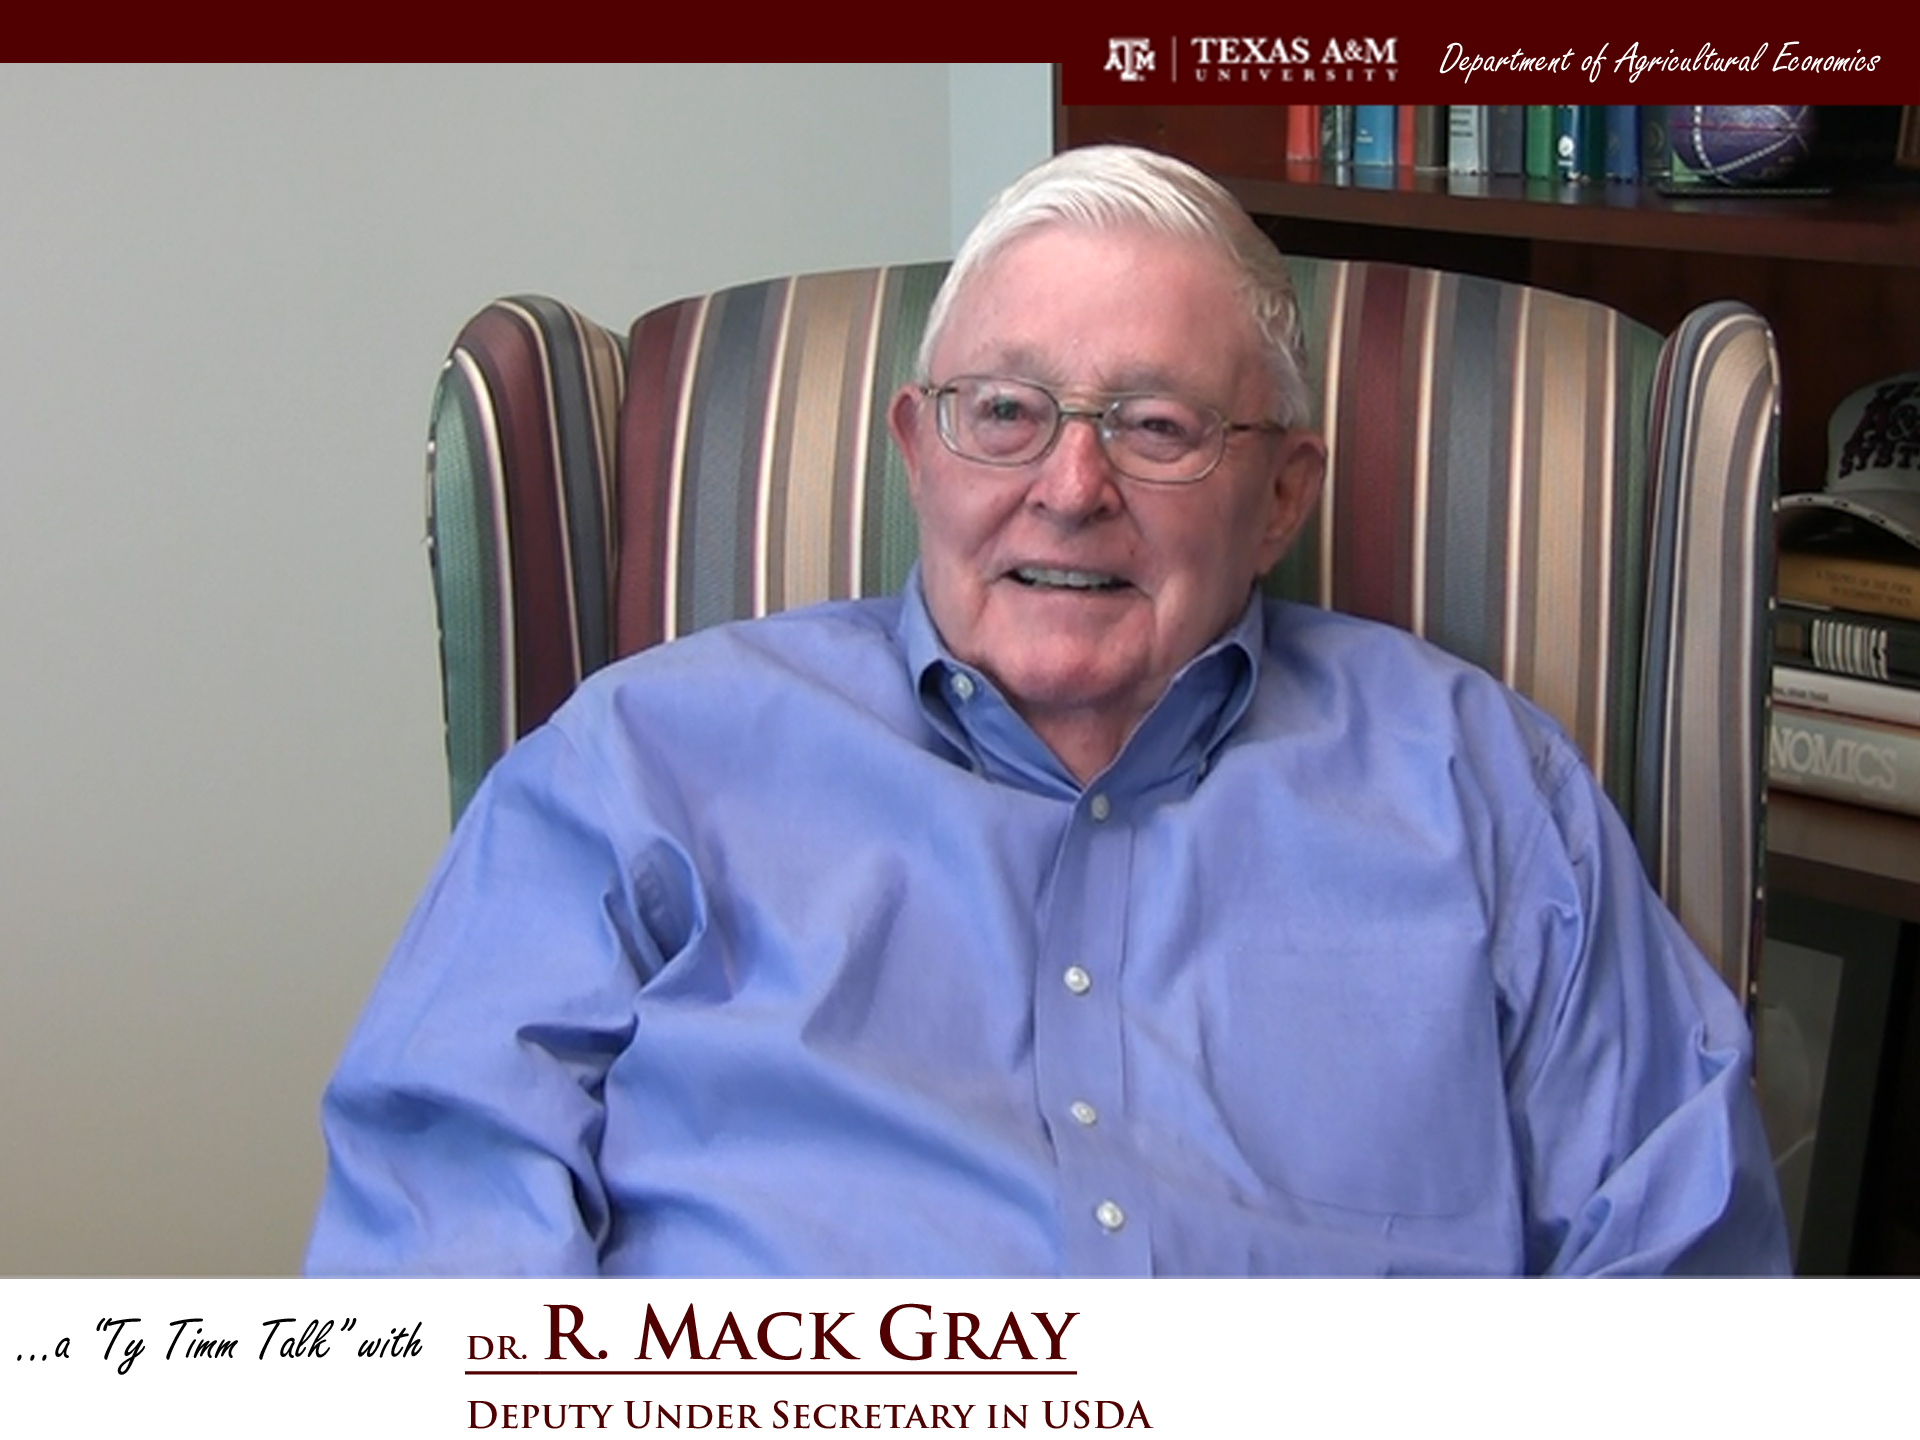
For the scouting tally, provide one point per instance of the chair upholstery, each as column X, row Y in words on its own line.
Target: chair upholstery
column 1535, row 482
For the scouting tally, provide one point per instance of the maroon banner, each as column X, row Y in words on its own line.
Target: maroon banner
column 1481, row 60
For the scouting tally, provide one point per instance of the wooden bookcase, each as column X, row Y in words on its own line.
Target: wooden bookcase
column 1838, row 277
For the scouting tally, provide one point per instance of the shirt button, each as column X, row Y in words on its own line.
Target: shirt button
column 1100, row 807
column 1077, row 980
column 1110, row 1215
column 1083, row 1112
column 963, row 688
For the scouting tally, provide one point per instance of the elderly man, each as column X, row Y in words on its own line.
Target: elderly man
column 1076, row 911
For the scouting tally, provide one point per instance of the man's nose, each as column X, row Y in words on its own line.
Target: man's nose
column 1076, row 480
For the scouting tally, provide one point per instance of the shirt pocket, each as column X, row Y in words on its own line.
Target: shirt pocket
column 1368, row 1085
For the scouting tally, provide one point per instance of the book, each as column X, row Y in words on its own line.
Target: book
column 1506, row 139
column 1579, row 142
column 1863, row 762
column 1421, row 136
column 1336, row 134
column 1846, row 695
column 1303, row 132
column 1538, row 151
column 1656, row 146
column 1622, row 142
column 1467, row 139
column 1876, row 583
column 1846, row 642
column 1373, row 134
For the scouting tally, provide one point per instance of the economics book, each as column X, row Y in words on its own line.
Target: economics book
column 1846, row 695
column 1839, row 757
column 1847, row 642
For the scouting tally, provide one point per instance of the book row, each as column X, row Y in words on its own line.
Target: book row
column 1547, row 142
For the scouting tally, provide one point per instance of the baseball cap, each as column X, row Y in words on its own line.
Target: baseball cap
column 1873, row 461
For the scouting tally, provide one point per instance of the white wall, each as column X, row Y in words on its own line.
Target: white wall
column 224, row 294
column 1002, row 123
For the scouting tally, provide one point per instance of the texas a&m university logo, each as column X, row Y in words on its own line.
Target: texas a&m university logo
column 1132, row 58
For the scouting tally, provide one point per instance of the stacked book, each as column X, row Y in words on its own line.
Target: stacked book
column 1846, row 635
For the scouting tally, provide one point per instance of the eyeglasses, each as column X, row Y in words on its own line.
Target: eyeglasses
column 1161, row 439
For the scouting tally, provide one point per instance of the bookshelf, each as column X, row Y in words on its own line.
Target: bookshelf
column 1844, row 854
column 1838, row 276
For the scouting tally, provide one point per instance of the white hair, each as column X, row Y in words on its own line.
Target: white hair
column 1115, row 187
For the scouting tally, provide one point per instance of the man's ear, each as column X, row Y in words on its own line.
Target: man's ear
column 1299, row 470
column 907, row 415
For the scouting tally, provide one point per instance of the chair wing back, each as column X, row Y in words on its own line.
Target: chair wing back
column 757, row 472
column 1532, row 481
column 521, row 472
column 1582, row 507
column 1700, row 794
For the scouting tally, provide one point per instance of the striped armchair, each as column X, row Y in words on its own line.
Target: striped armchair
column 1537, row 483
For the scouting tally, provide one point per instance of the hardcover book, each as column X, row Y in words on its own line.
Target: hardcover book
column 1507, row 139
column 1421, row 136
column 1373, row 134
column 1467, row 139
column 1540, row 159
column 1847, row 642
column 1579, row 139
column 1656, row 148
column 1303, row 132
column 1877, row 579
column 1846, row 695
column 1336, row 134
column 1622, row 142
column 1863, row 762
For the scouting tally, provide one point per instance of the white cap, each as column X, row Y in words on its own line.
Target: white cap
column 1873, row 460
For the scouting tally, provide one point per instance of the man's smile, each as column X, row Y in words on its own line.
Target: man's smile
column 1048, row 577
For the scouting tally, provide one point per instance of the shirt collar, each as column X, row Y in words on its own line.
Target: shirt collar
column 1173, row 744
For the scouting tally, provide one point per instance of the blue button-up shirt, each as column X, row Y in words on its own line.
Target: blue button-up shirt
column 790, row 949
